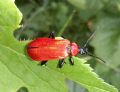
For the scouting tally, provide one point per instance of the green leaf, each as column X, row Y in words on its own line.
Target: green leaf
column 112, row 7
column 82, row 73
column 87, row 8
column 115, row 79
column 86, row 4
column 18, row 71
column 10, row 18
column 107, row 43
column 107, row 39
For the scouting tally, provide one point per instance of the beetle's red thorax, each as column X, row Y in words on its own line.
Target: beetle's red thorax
column 74, row 49
column 48, row 49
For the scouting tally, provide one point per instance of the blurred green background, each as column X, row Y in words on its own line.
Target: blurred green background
column 76, row 20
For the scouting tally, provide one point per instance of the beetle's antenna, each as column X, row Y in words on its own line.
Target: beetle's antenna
column 84, row 49
column 89, row 39
column 89, row 54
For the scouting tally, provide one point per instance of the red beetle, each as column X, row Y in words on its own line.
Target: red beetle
column 44, row 49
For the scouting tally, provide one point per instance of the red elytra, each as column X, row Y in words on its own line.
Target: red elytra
column 43, row 49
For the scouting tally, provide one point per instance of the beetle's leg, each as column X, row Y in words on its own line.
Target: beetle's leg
column 62, row 36
column 71, row 61
column 52, row 35
column 43, row 63
column 60, row 63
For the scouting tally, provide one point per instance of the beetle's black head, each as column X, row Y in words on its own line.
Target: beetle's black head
column 83, row 50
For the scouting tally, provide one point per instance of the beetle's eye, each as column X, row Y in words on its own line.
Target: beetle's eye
column 83, row 51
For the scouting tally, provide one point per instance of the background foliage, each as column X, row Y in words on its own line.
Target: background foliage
column 75, row 20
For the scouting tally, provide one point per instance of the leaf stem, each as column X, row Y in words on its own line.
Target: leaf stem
column 34, row 3
column 66, row 23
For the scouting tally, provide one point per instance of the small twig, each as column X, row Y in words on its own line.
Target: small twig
column 89, row 39
column 34, row 3
column 66, row 23
column 113, row 68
